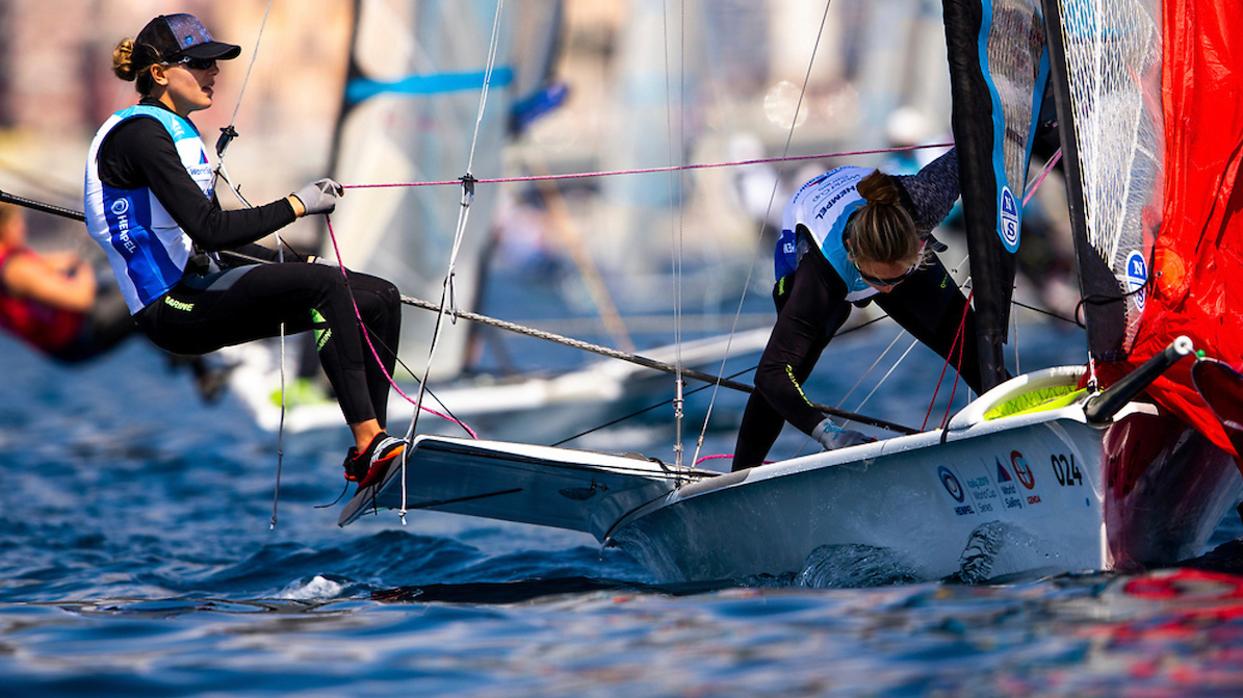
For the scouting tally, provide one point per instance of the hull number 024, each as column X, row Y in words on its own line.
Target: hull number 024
column 1065, row 470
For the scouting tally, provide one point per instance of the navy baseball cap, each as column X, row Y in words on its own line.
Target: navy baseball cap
column 180, row 35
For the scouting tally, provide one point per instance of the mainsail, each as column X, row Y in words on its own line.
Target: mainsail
column 1108, row 84
column 998, row 72
column 1154, row 149
column 408, row 114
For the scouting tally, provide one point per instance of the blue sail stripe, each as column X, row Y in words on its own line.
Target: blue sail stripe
column 360, row 89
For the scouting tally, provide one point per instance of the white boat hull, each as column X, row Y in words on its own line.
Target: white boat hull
column 1040, row 492
column 933, row 510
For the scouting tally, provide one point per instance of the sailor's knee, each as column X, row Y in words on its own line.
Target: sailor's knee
column 769, row 380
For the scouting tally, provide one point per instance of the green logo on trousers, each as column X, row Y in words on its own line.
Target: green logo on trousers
column 323, row 333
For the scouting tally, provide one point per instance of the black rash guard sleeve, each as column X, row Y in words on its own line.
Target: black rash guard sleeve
column 932, row 191
column 140, row 153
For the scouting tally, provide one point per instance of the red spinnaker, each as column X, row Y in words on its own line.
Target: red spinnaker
column 1197, row 266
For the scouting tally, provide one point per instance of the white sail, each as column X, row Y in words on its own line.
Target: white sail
column 1113, row 62
column 409, row 113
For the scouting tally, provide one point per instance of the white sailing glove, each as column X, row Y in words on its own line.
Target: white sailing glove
column 833, row 437
column 320, row 196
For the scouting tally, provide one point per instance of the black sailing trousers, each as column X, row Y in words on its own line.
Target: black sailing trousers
column 928, row 304
column 203, row 313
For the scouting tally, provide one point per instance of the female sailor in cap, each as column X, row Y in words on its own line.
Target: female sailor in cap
column 150, row 206
column 852, row 235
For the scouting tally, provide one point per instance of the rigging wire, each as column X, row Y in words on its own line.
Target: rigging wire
column 675, row 196
column 759, row 236
column 621, row 355
column 953, row 270
column 229, row 132
column 958, row 346
column 446, row 293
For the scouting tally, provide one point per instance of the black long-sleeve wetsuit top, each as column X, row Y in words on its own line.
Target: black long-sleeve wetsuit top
column 812, row 306
column 139, row 152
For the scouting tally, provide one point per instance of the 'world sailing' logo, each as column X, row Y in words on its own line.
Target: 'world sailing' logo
column 1009, row 219
column 1136, row 277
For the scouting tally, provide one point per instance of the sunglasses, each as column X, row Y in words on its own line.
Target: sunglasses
column 889, row 281
column 195, row 63
column 893, row 280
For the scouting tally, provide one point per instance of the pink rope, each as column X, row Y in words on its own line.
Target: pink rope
column 647, row 170
column 959, row 345
column 375, row 354
column 1048, row 167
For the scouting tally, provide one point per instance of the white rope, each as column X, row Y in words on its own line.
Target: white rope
column 888, row 373
column 446, row 292
column 759, row 236
column 868, row 372
column 228, row 133
column 221, row 173
column 254, row 55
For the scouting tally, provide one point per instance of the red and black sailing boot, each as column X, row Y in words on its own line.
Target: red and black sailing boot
column 369, row 467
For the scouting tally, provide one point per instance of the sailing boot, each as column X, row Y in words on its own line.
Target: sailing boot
column 369, row 467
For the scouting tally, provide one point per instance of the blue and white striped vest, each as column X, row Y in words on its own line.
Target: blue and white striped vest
column 824, row 204
column 145, row 246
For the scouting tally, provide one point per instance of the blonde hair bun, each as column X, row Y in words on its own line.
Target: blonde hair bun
column 123, row 60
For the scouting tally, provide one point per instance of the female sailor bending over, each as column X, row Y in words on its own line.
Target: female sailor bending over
column 151, row 206
column 848, row 236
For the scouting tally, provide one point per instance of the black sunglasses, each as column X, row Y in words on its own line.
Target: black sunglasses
column 893, row 280
column 195, row 63
column 890, row 281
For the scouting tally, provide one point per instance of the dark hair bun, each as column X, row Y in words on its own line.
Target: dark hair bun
column 880, row 188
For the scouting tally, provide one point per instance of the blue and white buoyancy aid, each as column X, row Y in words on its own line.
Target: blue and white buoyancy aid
column 823, row 205
column 148, row 251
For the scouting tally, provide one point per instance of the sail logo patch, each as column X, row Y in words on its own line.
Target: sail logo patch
column 1022, row 470
column 1008, row 212
column 951, row 484
column 1137, row 277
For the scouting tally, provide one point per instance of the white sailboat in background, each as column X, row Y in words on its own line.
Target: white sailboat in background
column 1038, row 474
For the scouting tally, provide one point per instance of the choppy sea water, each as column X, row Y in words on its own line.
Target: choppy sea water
column 136, row 559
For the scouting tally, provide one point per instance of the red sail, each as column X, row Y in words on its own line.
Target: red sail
column 1197, row 263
